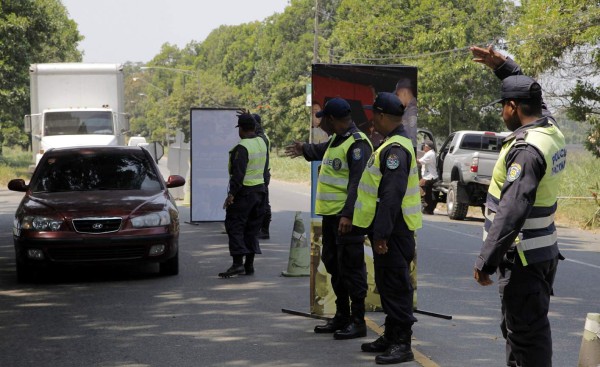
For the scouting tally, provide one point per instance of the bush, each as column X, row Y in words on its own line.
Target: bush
column 14, row 163
column 577, row 190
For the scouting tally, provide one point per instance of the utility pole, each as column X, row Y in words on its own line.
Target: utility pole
column 316, row 40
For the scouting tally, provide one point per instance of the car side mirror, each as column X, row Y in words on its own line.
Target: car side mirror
column 175, row 181
column 18, row 184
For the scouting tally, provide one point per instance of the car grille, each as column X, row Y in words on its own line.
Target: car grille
column 131, row 252
column 97, row 225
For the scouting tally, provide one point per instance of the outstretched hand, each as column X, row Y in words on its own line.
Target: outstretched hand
column 294, row 150
column 487, row 56
column 242, row 111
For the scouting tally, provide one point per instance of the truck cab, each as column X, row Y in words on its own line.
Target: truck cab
column 465, row 163
column 76, row 104
column 76, row 127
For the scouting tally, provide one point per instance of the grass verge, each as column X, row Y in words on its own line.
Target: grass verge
column 14, row 163
column 291, row 170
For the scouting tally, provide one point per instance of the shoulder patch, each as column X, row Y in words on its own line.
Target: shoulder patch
column 356, row 154
column 392, row 161
column 337, row 164
column 357, row 136
column 514, row 171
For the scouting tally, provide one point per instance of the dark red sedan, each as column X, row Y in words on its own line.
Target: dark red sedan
column 96, row 204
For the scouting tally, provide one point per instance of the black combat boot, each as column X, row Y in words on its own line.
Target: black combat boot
column 357, row 328
column 235, row 269
column 249, row 264
column 399, row 350
column 338, row 322
column 380, row 344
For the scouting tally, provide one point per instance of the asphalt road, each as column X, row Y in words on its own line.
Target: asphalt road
column 130, row 316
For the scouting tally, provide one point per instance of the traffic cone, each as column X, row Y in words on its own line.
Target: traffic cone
column 299, row 260
column 589, row 354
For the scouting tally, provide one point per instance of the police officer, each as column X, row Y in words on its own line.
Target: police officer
column 245, row 198
column 520, row 241
column 389, row 206
column 266, row 223
column 343, row 158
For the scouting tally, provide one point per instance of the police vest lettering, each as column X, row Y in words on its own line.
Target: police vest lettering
column 332, row 184
column 257, row 159
column 368, row 189
column 537, row 238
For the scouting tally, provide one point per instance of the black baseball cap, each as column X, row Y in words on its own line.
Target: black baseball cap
column 246, row 120
column 387, row 103
column 257, row 118
column 519, row 87
column 336, row 107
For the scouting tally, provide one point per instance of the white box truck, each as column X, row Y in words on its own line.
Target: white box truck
column 76, row 104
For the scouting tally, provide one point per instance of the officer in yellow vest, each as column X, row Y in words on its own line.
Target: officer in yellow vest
column 343, row 158
column 389, row 206
column 264, row 233
column 520, row 240
column 244, row 204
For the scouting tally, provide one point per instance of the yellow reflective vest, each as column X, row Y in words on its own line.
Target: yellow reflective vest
column 332, row 184
column 368, row 189
column 257, row 159
column 537, row 240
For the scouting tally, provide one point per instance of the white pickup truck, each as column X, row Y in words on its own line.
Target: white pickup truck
column 465, row 163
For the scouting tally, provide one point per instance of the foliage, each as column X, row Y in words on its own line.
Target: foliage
column 31, row 31
column 265, row 65
column 433, row 35
column 594, row 221
column 290, row 170
column 592, row 143
column 14, row 163
column 567, row 41
column 582, row 172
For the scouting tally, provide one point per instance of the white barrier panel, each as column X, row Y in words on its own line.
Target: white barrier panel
column 213, row 135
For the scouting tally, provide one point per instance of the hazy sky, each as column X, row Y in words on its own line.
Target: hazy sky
column 117, row 31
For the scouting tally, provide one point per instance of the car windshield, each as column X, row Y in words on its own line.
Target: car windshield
column 78, row 123
column 96, row 171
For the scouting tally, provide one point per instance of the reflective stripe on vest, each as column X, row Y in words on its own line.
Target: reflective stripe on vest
column 368, row 189
column 257, row 159
column 539, row 231
column 332, row 184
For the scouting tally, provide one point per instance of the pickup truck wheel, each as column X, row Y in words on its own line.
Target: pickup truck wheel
column 456, row 210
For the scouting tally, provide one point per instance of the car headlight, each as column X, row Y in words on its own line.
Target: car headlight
column 151, row 220
column 41, row 224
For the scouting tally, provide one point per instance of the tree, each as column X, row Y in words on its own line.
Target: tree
column 565, row 43
column 433, row 35
column 31, row 31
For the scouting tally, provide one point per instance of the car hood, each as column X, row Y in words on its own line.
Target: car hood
column 94, row 203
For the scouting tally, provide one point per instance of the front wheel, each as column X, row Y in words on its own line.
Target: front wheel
column 171, row 266
column 24, row 272
column 456, row 210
